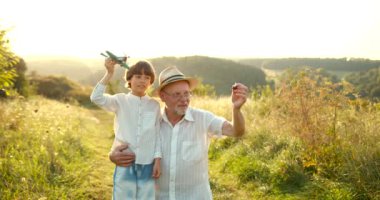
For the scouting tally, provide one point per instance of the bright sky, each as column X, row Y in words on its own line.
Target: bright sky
column 217, row 28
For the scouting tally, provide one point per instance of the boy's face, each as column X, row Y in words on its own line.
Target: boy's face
column 139, row 84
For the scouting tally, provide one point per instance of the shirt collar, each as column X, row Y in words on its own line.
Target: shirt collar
column 189, row 115
column 134, row 97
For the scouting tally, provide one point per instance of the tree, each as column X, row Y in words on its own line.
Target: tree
column 21, row 84
column 7, row 61
column 203, row 89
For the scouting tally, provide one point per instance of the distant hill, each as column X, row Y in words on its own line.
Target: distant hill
column 330, row 64
column 338, row 67
column 74, row 68
column 221, row 73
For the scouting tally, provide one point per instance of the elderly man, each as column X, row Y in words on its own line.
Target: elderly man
column 185, row 137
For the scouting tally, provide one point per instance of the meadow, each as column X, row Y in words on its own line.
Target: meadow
column 307, row 140
column 53, row 150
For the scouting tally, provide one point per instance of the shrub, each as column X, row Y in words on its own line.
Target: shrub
column 61, row 88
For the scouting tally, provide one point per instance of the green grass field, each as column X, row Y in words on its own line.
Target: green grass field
column 53, row 150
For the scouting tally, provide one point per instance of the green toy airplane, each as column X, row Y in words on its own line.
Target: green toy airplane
column 122, row 61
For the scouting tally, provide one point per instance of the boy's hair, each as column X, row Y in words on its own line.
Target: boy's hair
column 139, row 68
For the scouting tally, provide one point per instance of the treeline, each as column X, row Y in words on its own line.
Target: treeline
column 331, row 64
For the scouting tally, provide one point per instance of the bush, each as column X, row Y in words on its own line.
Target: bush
column 311, row 138
column 61, row 88
column 204, row 90
column 331, row 126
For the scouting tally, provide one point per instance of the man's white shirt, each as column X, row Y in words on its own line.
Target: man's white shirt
column 185, row 155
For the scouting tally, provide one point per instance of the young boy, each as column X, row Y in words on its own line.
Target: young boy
column 136, row 124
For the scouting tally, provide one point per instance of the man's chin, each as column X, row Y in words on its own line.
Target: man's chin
column 181, row 111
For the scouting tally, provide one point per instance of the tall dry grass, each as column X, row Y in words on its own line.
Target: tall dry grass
column 45, row 153
column 310, row 138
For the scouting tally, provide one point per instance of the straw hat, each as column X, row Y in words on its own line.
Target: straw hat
column 171, row 75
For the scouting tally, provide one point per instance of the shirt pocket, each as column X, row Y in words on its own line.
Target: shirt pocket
column 148, row 121
column 191, row 151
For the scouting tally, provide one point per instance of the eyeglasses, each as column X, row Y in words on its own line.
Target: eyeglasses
column 177, row 96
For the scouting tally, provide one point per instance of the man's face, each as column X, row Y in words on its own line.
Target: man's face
column 176, row 97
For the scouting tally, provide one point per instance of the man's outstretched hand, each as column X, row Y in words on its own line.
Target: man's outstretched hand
column 239, row 95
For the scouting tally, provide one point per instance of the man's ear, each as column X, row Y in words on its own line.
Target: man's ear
column 162, row 96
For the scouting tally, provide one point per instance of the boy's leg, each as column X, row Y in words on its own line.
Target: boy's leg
column 145, row 182
column 124, row 183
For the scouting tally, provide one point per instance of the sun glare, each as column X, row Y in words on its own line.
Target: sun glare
column 213, row 28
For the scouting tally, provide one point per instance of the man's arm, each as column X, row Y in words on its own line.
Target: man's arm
column 120, row 157
column 238, row 97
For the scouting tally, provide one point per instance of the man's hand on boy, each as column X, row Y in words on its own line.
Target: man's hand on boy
column 120, row 157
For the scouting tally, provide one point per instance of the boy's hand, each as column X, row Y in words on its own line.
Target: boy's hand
column 156, row 168
column 110, row 65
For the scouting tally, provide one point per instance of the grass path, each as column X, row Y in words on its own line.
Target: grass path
column 99, row 139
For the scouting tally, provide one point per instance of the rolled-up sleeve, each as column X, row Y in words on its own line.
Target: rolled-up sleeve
column 214, row 124
column 157, row 150
column 158, row 147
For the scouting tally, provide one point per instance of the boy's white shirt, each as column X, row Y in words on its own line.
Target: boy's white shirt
column 136, row 122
